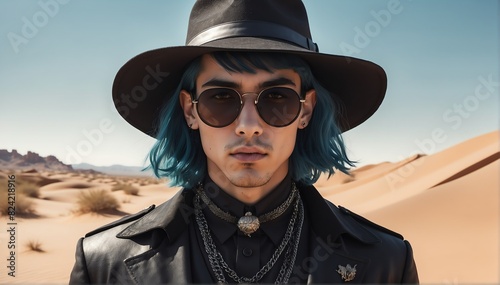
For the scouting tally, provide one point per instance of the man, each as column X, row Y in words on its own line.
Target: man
column 247, row 116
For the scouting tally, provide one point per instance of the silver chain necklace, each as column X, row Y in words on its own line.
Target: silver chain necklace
column 248, row 224
column 219, row 265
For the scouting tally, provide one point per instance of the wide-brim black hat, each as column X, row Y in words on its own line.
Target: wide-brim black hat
column 147, row 81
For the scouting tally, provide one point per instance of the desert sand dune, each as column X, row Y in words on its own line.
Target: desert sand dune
column 414, row 177
column 454, row 228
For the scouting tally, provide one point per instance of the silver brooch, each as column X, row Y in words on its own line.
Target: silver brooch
column 347, row 272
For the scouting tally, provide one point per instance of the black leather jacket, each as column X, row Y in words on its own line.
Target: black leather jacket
column 152, row 247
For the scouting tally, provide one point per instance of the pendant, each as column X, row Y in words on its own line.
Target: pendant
column 248, row 224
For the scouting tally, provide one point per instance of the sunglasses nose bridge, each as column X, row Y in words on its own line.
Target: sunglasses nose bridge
column 250, row 93
column 249, row 115
column 242, row 98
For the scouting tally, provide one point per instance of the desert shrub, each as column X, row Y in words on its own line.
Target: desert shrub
column 96, row 201
column 131, row 190
column 24, row 207
column 29, row 189
column 34, row 245
column 127, row 188
column 117, row 186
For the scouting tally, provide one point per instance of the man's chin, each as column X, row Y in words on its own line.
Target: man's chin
column 250, row 180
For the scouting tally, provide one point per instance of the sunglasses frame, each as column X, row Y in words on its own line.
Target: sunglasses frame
column 256, row 101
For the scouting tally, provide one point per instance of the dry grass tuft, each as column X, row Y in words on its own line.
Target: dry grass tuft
column 34, row 245
column 97, row 201
column 29, row 189
column 127, row 189
column 25, row 206
column 18, row 205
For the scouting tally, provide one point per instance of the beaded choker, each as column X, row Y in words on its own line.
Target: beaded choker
column 247, row 224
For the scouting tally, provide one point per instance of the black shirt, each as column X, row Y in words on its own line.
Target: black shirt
column 246, row 255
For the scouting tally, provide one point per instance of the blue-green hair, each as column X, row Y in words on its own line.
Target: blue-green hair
column 178, row 154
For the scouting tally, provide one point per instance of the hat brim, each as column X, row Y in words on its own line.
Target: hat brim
column 147, row 81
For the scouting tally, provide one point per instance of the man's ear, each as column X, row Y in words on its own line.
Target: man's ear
column 307, row 108
column 187, row 107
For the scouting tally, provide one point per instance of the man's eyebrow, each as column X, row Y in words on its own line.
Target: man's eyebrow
column 217, row 82
column 276, row 82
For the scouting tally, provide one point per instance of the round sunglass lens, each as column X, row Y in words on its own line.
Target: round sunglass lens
column 279, row 106
column 218, row 107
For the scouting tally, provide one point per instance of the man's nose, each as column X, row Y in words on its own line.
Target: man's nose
column 249, row 122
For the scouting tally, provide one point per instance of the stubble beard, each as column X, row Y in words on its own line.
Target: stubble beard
column 250, row 180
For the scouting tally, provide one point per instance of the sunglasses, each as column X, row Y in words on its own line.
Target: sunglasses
column 277, row 106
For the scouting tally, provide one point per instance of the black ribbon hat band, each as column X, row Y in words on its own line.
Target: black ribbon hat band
column 253, row 29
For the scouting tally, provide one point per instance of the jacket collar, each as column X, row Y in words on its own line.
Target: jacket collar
column 172, row 217
column 327, row 221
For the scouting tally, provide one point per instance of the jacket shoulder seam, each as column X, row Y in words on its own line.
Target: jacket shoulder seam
column 365, row 221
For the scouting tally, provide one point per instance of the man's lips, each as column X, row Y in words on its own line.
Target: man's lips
column 248, row 157
column 248, row 154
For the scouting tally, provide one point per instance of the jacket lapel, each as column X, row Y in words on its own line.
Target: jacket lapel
column 331, row 261
column 172, row 217
column 329, row 222
column 169, row 263
column 168, row 260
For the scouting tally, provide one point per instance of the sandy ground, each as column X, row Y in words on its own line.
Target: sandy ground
column 446, row 204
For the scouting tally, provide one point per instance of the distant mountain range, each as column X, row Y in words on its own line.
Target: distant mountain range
column 114, row 169
column 13, row 160
column 31, row 160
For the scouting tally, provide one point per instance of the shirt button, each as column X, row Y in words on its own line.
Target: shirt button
column 247, row 252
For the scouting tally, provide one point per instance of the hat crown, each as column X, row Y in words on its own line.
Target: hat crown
column 207, row 14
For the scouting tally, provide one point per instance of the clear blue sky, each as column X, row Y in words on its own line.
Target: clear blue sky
column 58, row 62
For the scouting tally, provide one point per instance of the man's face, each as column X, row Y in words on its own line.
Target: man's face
column 248, row 153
